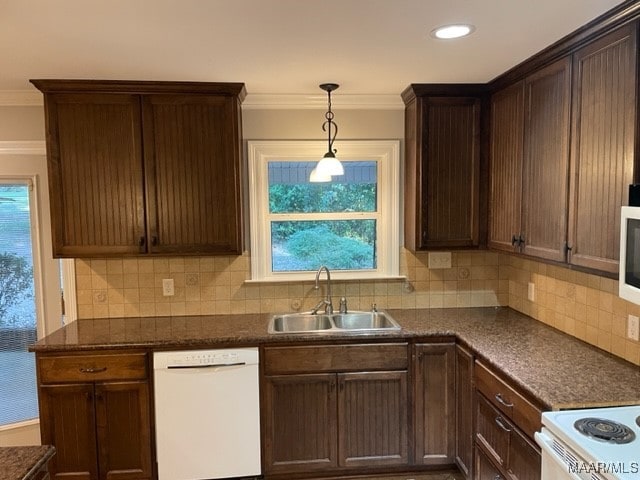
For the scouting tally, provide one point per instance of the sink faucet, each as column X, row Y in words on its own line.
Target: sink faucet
column 326, row 302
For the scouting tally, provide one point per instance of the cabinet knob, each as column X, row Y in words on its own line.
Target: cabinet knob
column 154, row 240
column 141, row 242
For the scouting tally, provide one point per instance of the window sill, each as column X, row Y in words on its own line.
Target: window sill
column 335, row 276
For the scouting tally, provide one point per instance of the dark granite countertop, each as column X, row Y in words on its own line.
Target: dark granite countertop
column 558, row 370
column 23, row 463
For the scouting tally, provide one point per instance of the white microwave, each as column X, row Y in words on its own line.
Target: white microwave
column 629, row 277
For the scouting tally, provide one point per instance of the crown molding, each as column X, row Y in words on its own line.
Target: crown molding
column 20, row 98
column 23, row 147
column 255, row 101
column 261, row 101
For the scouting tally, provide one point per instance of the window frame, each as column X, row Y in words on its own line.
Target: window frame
column 386, row 153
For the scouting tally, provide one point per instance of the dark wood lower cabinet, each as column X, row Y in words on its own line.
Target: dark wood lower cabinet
column 100, row 431
column 372, row 419
column 435, row 404
column 67, row 420
column 300, row 423
column 500, row 441
column 485, row 470
column 464, row 411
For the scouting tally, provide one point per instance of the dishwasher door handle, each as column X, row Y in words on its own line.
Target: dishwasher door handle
column 213, row 365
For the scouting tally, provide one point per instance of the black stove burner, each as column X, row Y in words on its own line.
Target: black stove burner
column 605, row 430
column 638, row 420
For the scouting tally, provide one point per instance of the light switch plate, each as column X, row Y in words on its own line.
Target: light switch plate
column 531, row 292
column 439, row 260
column 167, row 287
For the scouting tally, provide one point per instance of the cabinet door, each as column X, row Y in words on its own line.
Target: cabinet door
column 525, row 462
column 192, row 168
column 67, row 421
column 492, row 431
column 300, row 428
column 435, row 404
column 124, row 430
column 506, row 151
column 450, row 172
column 95, row 174
column 602, row 152
column 464, row 411
column 372, row 418
column 546, row 162
column 484, row 469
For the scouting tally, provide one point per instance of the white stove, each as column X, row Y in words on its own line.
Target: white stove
column 591, row 444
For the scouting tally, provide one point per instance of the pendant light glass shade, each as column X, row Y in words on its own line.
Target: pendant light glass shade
column 329, row 166
column 317, row 177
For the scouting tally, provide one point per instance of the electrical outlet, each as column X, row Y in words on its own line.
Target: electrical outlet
column 167, row 287
column 439, row 260
column 633, row 328
column 531, row 292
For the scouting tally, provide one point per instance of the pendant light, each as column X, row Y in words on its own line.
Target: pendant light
column 329, row 165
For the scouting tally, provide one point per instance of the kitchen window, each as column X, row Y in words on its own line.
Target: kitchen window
column 350, row 224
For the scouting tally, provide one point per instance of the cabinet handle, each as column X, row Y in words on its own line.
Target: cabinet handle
column 93, row 369
column 141, row 242
column 520, row 240
column 514, row 241
column 500, row 423
column 154, row 240
column 497, row 477
column 503, row 401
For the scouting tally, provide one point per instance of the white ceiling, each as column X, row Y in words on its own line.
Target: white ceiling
column 278, row 46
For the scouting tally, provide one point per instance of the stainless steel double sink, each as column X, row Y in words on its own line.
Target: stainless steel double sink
column 323, row 323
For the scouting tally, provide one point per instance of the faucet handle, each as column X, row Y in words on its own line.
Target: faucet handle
column 343, row 305
column 374, row 307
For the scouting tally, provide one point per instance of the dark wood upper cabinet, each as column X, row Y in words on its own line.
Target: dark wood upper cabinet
column 506, row 153
column 143, row 167
column 442, row 167
column 602, row 148
column 546, row 162
column 529, row 148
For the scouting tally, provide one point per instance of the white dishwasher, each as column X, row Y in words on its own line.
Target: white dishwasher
column 207, row 413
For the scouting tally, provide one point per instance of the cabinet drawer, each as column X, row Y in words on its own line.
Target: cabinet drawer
column 335, row 358
column 492, row 431
column 89, row 368
column 523, row 413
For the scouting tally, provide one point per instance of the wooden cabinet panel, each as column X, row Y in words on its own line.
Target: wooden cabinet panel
column 508, row 401
column 546, row 162
column 464, row 411
column 90, row 368
column 450, row 172
column 372, row 414
column 435, row 404
column 144, row 167
column 492, row 431
column 602, row 151
column 192, row 168
column 335, row 358
column 484, row 469
column 442, row 167
column 525, row 462
column 123, row 427
column 506, row 152
column 95, row 173
column 67, row 421
column 98, row 420
column 300, row 423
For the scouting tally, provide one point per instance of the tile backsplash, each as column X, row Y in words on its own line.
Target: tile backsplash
column 216, row 285
column 582, row 305
column 585, row 306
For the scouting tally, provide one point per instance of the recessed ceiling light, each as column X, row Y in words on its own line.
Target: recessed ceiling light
column 447, row 32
